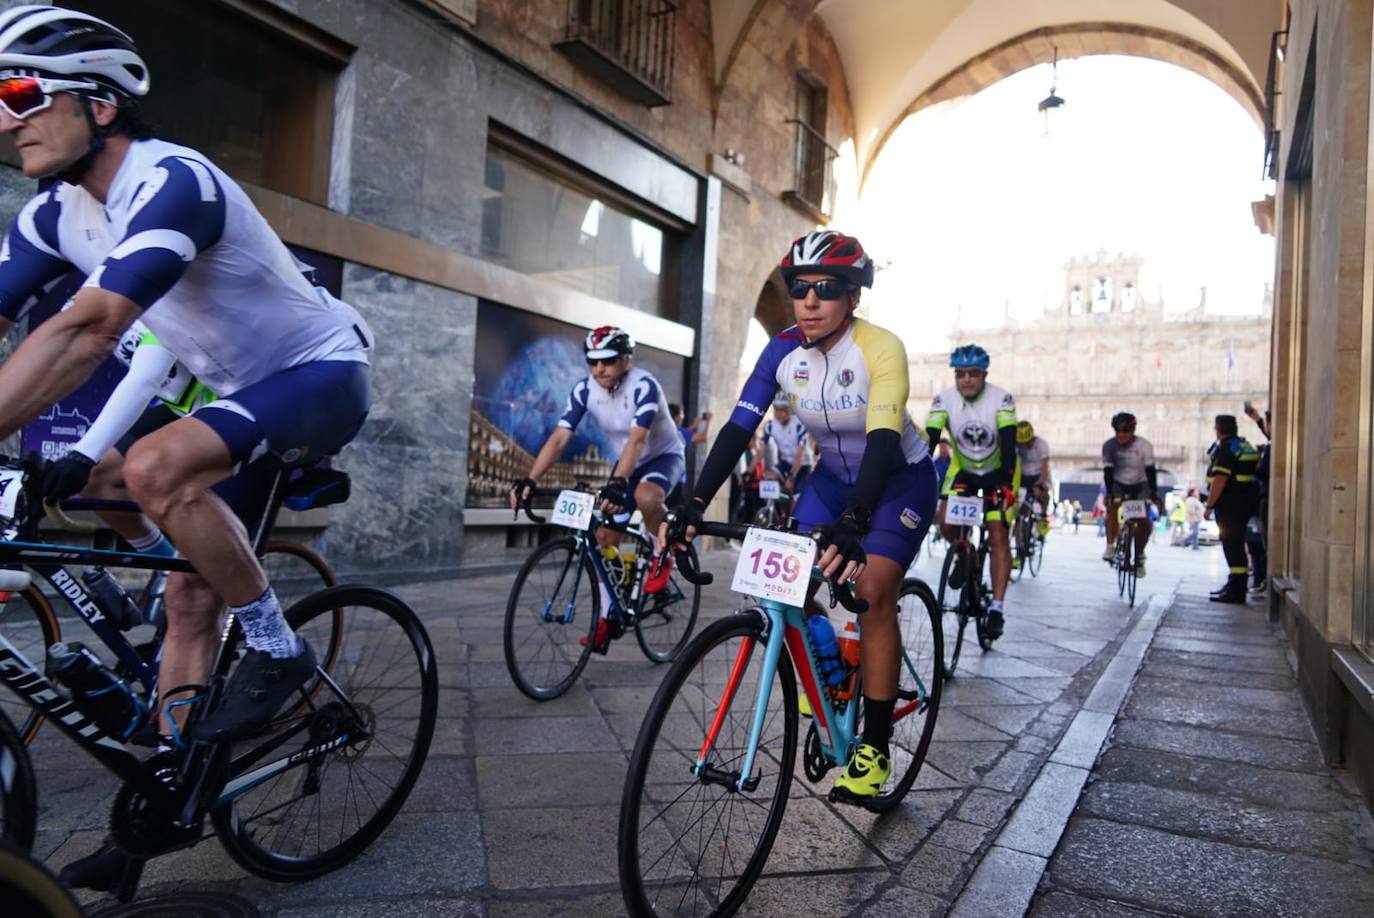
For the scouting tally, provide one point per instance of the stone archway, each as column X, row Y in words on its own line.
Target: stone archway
column 774, row 308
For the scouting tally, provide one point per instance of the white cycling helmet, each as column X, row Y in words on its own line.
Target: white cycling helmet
column 65, row 42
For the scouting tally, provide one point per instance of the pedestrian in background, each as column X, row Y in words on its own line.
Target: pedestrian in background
column 1233, row 496
column 1257, row 530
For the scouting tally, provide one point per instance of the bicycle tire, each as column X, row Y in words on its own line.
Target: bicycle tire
column 28, row 888
column 1037, row 558
column 953, row 613
column 18, row 789
column 295, row 571
column 914, row 719
column 980, row 590
column 664, row 624
column 567, row 658
column 1021, row 548
column 659, row 770
column 28, row 622
column 373, row 675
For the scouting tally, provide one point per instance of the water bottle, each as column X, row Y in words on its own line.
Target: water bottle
column 113, row 601
column 827, row 651
column 98, row 693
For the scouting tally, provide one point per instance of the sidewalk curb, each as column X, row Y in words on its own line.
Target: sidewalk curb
column 1006, row 879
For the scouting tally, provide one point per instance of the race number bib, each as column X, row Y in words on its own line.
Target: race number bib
column 11, row 483
column 1134, row 510
column 573, row 509
column 775, row 565
column 769, row 489
column 964, row 511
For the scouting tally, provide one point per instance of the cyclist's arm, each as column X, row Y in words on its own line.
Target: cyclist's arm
column 553, row 448
column 888, row 389
column 1006, row 436
column 29, row 259
column 1107, row 472
column 1151, row 475
column 148, row 367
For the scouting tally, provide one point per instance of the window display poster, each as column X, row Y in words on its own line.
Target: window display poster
column 525, row 366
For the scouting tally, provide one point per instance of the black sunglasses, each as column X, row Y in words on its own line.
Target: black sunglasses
column 831, row 288
column 593, row 361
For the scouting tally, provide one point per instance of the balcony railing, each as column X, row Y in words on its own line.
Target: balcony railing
column 628, row 44
column 813, row 190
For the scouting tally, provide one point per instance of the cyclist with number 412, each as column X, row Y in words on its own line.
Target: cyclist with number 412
column 872, row 492
column 982, row 425
column 629, row 405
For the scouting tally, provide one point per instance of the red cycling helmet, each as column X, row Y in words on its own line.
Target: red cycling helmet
column 829, row 252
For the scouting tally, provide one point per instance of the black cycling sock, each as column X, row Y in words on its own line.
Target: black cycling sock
column 878, row 723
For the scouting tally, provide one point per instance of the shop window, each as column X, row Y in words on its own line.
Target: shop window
column 544, row 224
column 242, row 81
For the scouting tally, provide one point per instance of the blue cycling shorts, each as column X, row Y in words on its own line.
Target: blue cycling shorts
column 900, row 521
column 666, row 471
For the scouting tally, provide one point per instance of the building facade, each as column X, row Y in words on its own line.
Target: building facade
column 1107, row 347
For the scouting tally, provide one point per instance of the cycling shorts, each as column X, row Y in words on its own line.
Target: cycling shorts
column 900, row 520
column 666, row 471
column 1138, row 491
column 1030, row 481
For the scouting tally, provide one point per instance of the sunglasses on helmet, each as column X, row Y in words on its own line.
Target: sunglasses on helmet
column 831, row 288
column 25, row 96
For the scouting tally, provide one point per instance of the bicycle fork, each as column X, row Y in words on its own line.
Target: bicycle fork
column 744, row 779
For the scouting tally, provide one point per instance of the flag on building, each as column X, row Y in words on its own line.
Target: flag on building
column 1230, row 353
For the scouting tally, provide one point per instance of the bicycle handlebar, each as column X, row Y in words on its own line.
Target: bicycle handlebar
column 842, row 592
column 526, row 504
column 61, row 520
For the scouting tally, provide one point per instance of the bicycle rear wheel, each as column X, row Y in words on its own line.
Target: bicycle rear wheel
column 692, row 843
column 918, row 691
column 553, row 603
column 1037, row 557
column 295, row 571
column 953, row 617
column 28, row 622
column 314, row 792
column 18, row 789
column 1123, row 561
column 665, row 623
column 1021, row 547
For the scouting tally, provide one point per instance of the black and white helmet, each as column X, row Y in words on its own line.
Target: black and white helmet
column 63, row 42
column 608, row 341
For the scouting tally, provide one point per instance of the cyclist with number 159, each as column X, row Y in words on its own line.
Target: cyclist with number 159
column 872, row 493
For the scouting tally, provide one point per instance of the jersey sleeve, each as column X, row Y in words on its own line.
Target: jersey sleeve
column 889, row 383
column 939, row 414
column 1006, row 411
column 762, row 383
column 29, row 259
column 1108, row 454
column 148, row 368
column 646, row 397
column 1147, row 455
column 576, row 406
column 177, row 213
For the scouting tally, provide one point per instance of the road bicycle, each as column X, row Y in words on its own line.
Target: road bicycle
column 714, row 759
column 29, row 620
column 1125, row 551
column 965, row 589
column 557, row 597
column 1030, row 540
column 775, row 504
column 301, row 797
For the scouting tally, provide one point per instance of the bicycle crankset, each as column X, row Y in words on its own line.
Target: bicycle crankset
column 814, row 761
column 144, row 827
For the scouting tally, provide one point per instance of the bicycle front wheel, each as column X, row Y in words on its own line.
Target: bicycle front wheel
column 918, row 690
column 1022, row 547
column 554, row 603
column 18, row 789
column 28, row 622
column 665, row 622
column 953, row 617
column 692, row 841
column 314, row 792
column 1037, row 557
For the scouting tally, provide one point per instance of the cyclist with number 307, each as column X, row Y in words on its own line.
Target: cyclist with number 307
column 872, row 493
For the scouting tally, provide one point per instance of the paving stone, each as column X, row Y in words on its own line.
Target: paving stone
column 1173, row 873
column 823, row 894
column 1012, row 772
column 1066, row 664
column 986, row 807
column 901, row 902
column 542, row 734
column 1268, row 653
column 952, row 723
column 566, row 904
column 1258, row 636
column 1273, row 664
column 504, row 701
column 1040, row 817
column 814, row 836
column 1083, row 739
column 897, row 834
column 1229, row 780
column 937, row 871
column 446, row 784
column 997, row 666
column 1009, row 718
column 562, row 779
column 1060, row 904
column 1002, row 885
column 1041, row 689
column 961, row 836
column 963, row 689
column 551, row 846
column 1149, row 686
column 1187, row 675
column 1206, row 710
column 1326, row 835
column 393, row 908
column 963, row 761
column 1268, row 751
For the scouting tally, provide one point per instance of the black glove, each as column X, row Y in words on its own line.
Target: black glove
column 615, row 491
column 847, row 535
column 67, row 476
column 685, row 515
column 520, row 487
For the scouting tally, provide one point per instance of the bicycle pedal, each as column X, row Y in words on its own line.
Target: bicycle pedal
column 842, row 796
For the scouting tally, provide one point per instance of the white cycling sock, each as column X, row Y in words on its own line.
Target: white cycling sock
column 154, row 543
column 995, row 605
column 265, row 628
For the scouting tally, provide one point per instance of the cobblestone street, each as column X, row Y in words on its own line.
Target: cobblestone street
column 1065, row 777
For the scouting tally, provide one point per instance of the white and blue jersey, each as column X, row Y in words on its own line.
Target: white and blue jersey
column 793, row 450
column 181, row 239
column 637, row 402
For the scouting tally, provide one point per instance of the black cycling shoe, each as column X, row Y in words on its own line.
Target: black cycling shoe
column 258, row 688
column 956, row 574
column 100, row 871
column 993, row 627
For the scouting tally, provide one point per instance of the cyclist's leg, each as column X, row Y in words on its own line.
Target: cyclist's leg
column 952, row 484
column 107, row 483
column 1112, row 520
column 650, row 484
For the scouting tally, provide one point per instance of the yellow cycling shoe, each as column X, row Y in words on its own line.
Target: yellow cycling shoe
column 864, row 776
column 803, row 704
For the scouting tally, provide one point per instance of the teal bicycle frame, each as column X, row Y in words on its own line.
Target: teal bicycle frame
column 835, row 724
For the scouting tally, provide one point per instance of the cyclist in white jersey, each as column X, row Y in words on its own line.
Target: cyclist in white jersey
column 165, row 237
column 794, row 445
column 1128, row 473
column 981, row 419
column 872, row 493
column 632, row 411
column 1033, row 454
